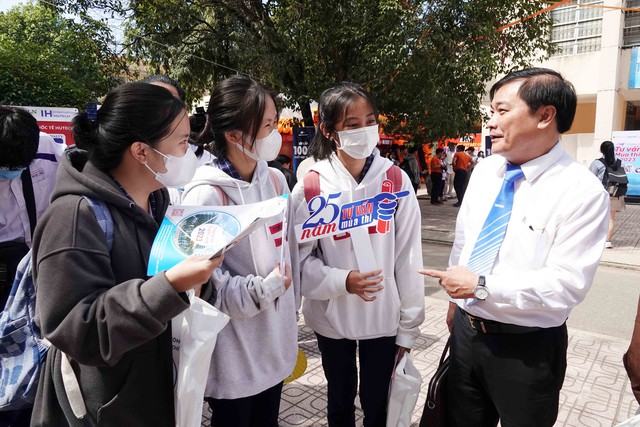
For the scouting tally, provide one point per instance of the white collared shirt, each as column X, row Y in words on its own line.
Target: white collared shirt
column 14, row 219
column 553, row 243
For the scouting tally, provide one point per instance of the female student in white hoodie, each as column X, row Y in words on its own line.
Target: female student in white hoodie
column 257, row 350
column 379, row 310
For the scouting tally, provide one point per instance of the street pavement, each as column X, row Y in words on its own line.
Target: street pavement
column 596, row 390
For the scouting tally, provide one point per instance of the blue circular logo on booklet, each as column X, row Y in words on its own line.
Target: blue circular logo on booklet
column 205, row 233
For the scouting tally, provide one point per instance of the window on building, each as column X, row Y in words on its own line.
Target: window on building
column 631, row 32
column 577, row 29
column 632, row 118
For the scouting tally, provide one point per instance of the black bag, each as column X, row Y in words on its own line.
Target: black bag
column 10, row 255
column 434, row 413
column 615, row 179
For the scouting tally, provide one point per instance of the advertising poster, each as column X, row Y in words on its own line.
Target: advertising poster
column 627, row 145
column 55, row 121
column 302, row 137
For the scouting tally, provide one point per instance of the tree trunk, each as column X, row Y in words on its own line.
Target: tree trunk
column 305, row 109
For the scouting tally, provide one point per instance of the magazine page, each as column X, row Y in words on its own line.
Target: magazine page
column 207, row 230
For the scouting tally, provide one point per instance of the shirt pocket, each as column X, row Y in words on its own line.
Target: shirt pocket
column 531, row 245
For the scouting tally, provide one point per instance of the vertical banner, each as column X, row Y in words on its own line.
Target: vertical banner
column 302, row 137
column 487, row 146
column 55, row 121
column 627, row 145
column 634, row 68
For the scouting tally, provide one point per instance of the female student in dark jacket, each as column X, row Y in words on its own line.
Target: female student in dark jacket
column 98, row 305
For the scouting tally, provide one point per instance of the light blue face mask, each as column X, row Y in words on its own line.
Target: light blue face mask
column 6, row 173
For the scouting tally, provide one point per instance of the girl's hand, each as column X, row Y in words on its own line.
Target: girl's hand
column 287, row 275
column 192, row 272
column 369, row 282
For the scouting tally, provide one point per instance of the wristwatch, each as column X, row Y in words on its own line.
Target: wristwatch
column 481, row 292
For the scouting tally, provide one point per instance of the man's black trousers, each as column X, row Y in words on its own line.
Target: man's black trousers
column 515, row 378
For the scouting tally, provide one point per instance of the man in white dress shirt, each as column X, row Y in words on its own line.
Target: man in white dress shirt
column 509, row 336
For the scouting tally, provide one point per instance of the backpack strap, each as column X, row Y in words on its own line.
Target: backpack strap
column 312, row 182
column 224, row 199
column 394, row 174
column 311, row 185
column 29, row 198
column 105, row 220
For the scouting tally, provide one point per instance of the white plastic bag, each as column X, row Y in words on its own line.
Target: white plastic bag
column 631, row 422
column 194, row 333
column 403, row 393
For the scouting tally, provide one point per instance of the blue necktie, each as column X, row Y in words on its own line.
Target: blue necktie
column 495, row 227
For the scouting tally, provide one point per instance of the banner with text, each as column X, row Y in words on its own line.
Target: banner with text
column 627, row 145
column 55, row 121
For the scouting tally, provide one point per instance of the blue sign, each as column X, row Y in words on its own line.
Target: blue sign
column 634, row 69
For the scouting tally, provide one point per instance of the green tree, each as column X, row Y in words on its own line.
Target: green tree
column 48, row 59
column 425, row 62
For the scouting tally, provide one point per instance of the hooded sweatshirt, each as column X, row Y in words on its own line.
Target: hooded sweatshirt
column 325, row 263
column 99, row 307
column 258, row 347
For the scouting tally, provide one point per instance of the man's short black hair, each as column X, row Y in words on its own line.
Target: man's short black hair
column 19, row 137
column 439, row 151
column 413, row 149
column 541, row 87
column 283, row 158
column 460, row 147
column 161, row 78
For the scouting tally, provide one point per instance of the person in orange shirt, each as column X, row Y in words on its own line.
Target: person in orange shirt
column 461, row 162
column 436, row 177
column 426, row 173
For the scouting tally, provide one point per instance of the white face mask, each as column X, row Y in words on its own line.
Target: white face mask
column 266, row 148
column 358, row 143
column 180, row 170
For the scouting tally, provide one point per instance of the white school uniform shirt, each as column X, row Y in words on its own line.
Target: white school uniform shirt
column 553, row 243
column 14, row 219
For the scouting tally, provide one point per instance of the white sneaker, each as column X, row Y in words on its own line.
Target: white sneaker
column 608, row 245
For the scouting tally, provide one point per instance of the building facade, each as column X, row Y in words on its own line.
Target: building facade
column 596, row 40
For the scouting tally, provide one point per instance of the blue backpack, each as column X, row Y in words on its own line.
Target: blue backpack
column 22, row 348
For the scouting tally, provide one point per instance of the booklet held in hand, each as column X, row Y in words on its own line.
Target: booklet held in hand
column 207, row 230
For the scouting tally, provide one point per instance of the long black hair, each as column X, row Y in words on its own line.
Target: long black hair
column 332, row 109
column 131, row 112
column 608, row 151
column 236, row 103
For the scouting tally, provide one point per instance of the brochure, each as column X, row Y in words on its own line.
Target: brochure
column 207, row 230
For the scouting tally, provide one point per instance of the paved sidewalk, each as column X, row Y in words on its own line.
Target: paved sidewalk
column 596, row 390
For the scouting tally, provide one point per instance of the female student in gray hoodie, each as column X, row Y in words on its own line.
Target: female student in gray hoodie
column 257, row 350
column 95, row 301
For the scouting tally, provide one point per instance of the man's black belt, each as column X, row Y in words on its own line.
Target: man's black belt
column 485, row 326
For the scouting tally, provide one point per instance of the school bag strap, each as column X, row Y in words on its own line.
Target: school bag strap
column 29, row 198
column 312, row 182
column 105, row 220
